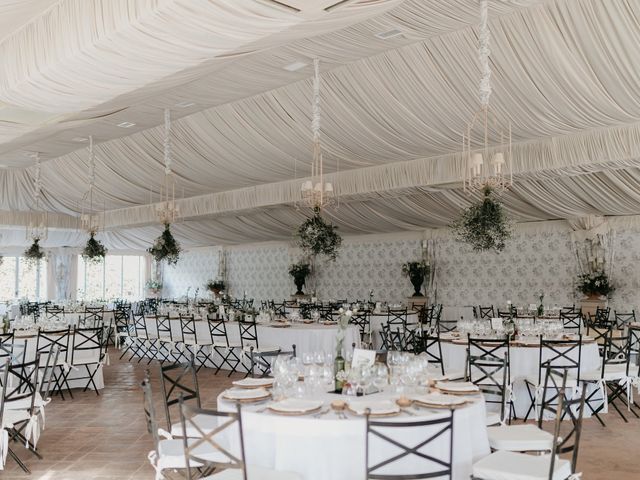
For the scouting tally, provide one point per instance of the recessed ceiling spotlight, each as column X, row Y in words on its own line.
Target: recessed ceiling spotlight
column 389, row 34
column 79, row 139
column 295, row 66
column 185, row 104
column 125, row 125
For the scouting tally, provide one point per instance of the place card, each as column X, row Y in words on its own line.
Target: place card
column 496, row 324
column 363, row 357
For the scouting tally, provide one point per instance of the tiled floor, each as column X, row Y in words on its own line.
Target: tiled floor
column 104, row 437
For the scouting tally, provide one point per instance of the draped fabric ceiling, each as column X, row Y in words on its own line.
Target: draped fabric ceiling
column 565, row 73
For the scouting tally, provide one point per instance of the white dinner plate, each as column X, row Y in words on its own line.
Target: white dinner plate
column 246, row 394
column 457, row 387
column 296, row 406
column 378, row 408
column 254, row 382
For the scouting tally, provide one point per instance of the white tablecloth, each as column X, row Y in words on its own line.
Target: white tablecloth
column 524, row 363
column 73, row 318
column 306, row 337
column 329, row 448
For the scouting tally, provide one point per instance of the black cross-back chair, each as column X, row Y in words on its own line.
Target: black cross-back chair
column 599, row 335
column 362, row 319
column 279, row 308
column 556, row 355
column 486, row 312
column 143, row 341
column 197, row 438
column 221, row 346
column 428, row 342
column 249, row 342
column 61, row 339
column 572, row 321
column 434, row 430
column 488, row 367
column 88, row 352
column 53, row 312
column 20, row 384
column 193, row 344
column 601, row 316
column 398, row 339
column 618, row 355
column 263, row 360
column 623, row 320
column 178, row 380
column 121, row 315
column 165, row 342
column 397, row 316
column 6, row 346
column 92, row 316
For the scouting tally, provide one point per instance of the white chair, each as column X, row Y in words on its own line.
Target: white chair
column 507, row 465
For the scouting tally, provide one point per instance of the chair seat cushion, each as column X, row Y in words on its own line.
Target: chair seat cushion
column 171, row 454
column 519, row 438
column 254, row 473
column 205, row 422
column 504, row 465
column 13, row 417
column 611, row 372
column 492, row 418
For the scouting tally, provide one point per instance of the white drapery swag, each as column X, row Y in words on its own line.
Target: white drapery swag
column 62, row 274
column 563, row 99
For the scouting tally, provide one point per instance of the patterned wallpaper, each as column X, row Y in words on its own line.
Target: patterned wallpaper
column 192, row 271
column 532, row 262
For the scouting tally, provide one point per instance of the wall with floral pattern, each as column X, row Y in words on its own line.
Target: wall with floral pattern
column 532, row 262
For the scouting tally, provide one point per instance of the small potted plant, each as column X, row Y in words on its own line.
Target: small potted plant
column 154, row 287
column 417, row 272
column 595, row 285
column 299, row 272
column 215, row 286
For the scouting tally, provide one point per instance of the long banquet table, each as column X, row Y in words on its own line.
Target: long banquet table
column 330, row 448
column 308, row 338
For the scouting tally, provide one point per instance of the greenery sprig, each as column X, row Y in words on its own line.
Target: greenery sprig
column 317, row 237
column 34, row 253
column 166, row 247
column 484, row 225
column 94, row 250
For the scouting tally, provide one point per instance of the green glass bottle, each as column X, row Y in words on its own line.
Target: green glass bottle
column 339, row 367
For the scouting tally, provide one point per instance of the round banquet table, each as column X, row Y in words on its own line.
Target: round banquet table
column 73, row 318
column 524, row 361
column 307, row 338
column 330, row 448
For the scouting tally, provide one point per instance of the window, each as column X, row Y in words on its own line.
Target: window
column 119, row 276
column 20, row 279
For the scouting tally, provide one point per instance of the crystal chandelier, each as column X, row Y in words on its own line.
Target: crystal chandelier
column 167, row 209
column 486, row 167
column 317, row 192
column 90, row 220
column 37, row 228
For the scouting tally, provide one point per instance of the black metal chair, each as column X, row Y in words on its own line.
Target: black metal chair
column 178, row 381
column 385, row 435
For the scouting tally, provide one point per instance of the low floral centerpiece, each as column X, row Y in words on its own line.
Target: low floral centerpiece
column 317, row 237
column 417, row 272
column 595, row 285
column 153, row 286
column 299, row 272
column 166, row 247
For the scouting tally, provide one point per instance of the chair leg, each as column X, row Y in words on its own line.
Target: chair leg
column 12, row 454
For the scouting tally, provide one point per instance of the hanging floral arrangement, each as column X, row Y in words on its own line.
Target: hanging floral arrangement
column 94, row 250
column 166, row 247
column 484, row 225
column 317, row 237
column 34, row 253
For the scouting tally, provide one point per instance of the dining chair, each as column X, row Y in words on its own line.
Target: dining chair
column 213, row 442
column 54, row 313
column 504, row 464
column 264, row 360
column 87, row 352
column 623, row 320
column 249, row 342
column 178, row 380
column 572, row 320
column 557, row 354
column 386, row 452
column 60, row 339
column 221, row 346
